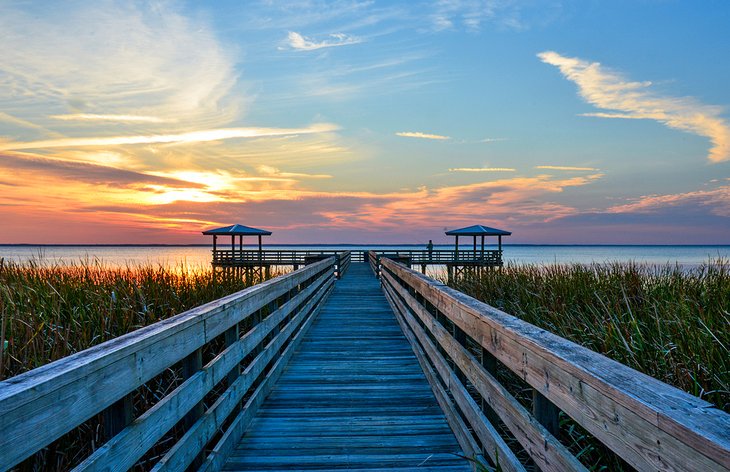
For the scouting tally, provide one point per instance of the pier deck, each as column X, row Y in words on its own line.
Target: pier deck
column 352, row 397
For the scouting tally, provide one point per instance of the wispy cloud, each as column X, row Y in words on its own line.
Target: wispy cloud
column 418, row 134
column 115, row 118
column 482, row 169
column 472, row 15
column 610, row 90
column 302, row 43
column 273, row 171
column 123, row 59
column 190, row 137
column 717, row 200
column 568, row 168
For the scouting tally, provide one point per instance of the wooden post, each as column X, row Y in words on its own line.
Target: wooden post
column 118, row 416
column 482, row 247
column 475, row 246
column 490, row 365
column 460, row 337
column 231, row 337
column 233, row 243
column 456, row 249
column 190, row 365
column 545, row 412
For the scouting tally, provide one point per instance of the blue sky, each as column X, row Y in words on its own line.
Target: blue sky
column 564, row 122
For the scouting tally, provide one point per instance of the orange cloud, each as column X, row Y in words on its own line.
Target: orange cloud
column 717, row 199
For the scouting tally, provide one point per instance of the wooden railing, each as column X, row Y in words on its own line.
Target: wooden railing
column 297, row 257
column 276, row 257
column 39, row 406
column 487, row 257
column 649, row 424
column 343, row 263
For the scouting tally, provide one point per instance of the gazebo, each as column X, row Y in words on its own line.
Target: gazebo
column 476, row 259
column 236, row 230
column 233, row 257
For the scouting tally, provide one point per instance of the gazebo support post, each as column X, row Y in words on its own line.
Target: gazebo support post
column 456, row 252
column 482, row 247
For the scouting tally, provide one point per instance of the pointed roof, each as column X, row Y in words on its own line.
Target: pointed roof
column 237, row 230
column 478, row 230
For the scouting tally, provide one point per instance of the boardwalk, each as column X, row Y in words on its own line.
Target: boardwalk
column 353, row 396
column 302, row 372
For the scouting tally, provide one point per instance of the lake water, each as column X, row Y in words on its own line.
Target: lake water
column 199, row 256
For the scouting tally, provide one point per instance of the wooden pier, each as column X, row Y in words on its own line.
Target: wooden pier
column 306, row 371
column 353, row 396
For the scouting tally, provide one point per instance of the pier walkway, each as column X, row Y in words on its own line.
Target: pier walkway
column 352, row 397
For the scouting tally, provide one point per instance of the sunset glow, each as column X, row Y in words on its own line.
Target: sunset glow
column 374, row 122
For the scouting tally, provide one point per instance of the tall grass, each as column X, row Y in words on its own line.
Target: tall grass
column 668, row 322
column 50, row 312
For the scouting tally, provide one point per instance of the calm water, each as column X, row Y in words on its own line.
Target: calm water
column 199, row 256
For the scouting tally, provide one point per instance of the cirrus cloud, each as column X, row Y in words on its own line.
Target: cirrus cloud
column 418, row 134
column 482, row 169
column 609, row 90
column 568, row 168
column 189, row 137
column 302, row 43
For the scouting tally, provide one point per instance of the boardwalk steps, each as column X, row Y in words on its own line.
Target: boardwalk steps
column 352, row 397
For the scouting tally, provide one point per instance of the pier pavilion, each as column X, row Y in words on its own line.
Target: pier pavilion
column 478, row 258
column 457, row 261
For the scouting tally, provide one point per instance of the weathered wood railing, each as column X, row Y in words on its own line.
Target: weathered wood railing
column 256, row 330
column 343, row 263
column 274, row 257
column 649, row 424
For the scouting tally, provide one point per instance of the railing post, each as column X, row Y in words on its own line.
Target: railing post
column 190, row 365
column 460, row 337
column 545, row 412
column 489, row 362
column 118, row 416
column 231, row 336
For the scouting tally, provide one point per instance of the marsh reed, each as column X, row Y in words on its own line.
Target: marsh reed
column 667, row 321
column 49, row 312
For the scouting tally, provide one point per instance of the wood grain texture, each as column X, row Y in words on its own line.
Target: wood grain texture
column 547, row 452
column 39, row 406
column 650, row 424
column 490, row 439
column 352, row 397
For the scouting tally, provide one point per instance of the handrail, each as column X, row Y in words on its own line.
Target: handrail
column 343, row 263
column 39, row 406
column 415, row 256
column 280, row 257
column 651, row 425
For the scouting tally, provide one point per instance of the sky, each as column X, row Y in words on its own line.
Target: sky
column 565, row 122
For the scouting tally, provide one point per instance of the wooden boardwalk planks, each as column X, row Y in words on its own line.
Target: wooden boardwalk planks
column 352, row 397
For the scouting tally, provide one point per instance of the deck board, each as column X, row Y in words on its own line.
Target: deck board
column 353, row 397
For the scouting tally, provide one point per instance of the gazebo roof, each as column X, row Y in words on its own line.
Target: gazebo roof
column 237, row 230
column 478, row 230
